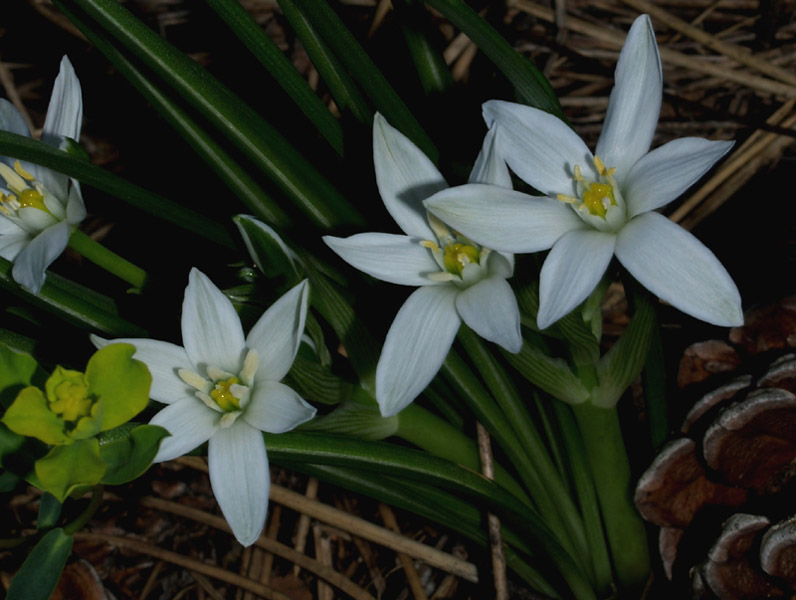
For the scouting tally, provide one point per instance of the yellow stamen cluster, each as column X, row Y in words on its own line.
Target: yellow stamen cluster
column 72, row 401
column 25, row 191
column 596, row 196
column 223, row 396
column 458, row 256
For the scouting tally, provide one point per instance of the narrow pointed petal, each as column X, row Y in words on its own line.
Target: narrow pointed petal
column 190, row 424
column 240, row 479
column 277, row 334
column 635, row 101
column 538, row 147
column 75, row 209
column 571, row 271
column 503, row 219
column 665, row 173
column 65, row 111
column 31, row 263
column 211, row 330
column 276, row 408
column 405, row 177
column 163, row 360
column 490, row 166
column 11, row 244
column 11, row 120
column 416, row 346
column 678, row 268
column 490, row 309
column 394, row 258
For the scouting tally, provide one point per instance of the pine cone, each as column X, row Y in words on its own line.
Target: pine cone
column 723, row 492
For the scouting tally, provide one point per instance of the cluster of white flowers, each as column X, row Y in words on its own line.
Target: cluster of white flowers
column 456, row 248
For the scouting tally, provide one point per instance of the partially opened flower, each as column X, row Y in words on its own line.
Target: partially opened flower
column 224, row 389
column 40, row 208
column 457, row 279
column 600, row 205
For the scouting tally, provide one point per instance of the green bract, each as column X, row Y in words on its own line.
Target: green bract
column 73, row 408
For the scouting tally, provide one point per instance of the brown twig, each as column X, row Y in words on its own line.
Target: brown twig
column 495, row 537
column 406, row 562
column 183, row 561
column 303, row 527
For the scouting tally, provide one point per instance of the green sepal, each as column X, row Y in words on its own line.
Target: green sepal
column 67, row 468
column 40, row 572
column 17, row 370
column 357, row 416
column 128, row 451
column 120, row 382
column 49, row 511
column 624, row 361
column 271, row 255
column 30, row 415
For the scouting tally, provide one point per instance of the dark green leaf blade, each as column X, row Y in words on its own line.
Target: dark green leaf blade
column 40, row 572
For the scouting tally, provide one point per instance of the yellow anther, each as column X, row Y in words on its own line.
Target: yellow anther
column 578, row 176
column 599, row 165
column 458, row 256
column 15, row 183
column 593, row 198
column 32, row 198
column 223, row 396
column 430, row 245
column 20, row 171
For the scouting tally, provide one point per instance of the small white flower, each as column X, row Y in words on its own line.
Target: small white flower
column 40, row 208
column 458, row 279
column 601, row 205
column 225, row 389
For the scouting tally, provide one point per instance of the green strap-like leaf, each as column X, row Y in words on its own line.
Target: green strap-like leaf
column 344, row 90
column 434, row 74
column 228, row 170
column 268, row 53
column 389, row 459
column 531, row 86
column 49, row 511
column 298, row 179
column 25, row 148
column 40, row 572
column 366, row 73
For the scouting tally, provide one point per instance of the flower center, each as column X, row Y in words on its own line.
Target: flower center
column 593, row 197
column 26, row 191
column 458, row 256
column 224, row 397
column 71, row 401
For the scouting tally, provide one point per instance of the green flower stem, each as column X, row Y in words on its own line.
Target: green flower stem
column 108, row 260
column 578, row 467
column 83, row 518
column 487, row 412
column 532, row 445
column 435, row 435
column 605, row 449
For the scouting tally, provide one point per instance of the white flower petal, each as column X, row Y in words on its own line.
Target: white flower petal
column 240, row 478
column 571, row 271
column 75, row 209
column 490, row 309
column 490, row 166
column 11, row 244
column 503, row 219
column 499, row 264
column 33, row 260
column 190, row 424
column 635, row 101
column 211, row 330
column 11, row 119
column 277, row 334
column 665, row 173
column 539, row 147
column 34, row 219
column 276, row 408
column 390, row 257
column 416, row 346
column 405, row 177
column 163, row 360
column 65, row 111
column 678, row 268
column 9, row 225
